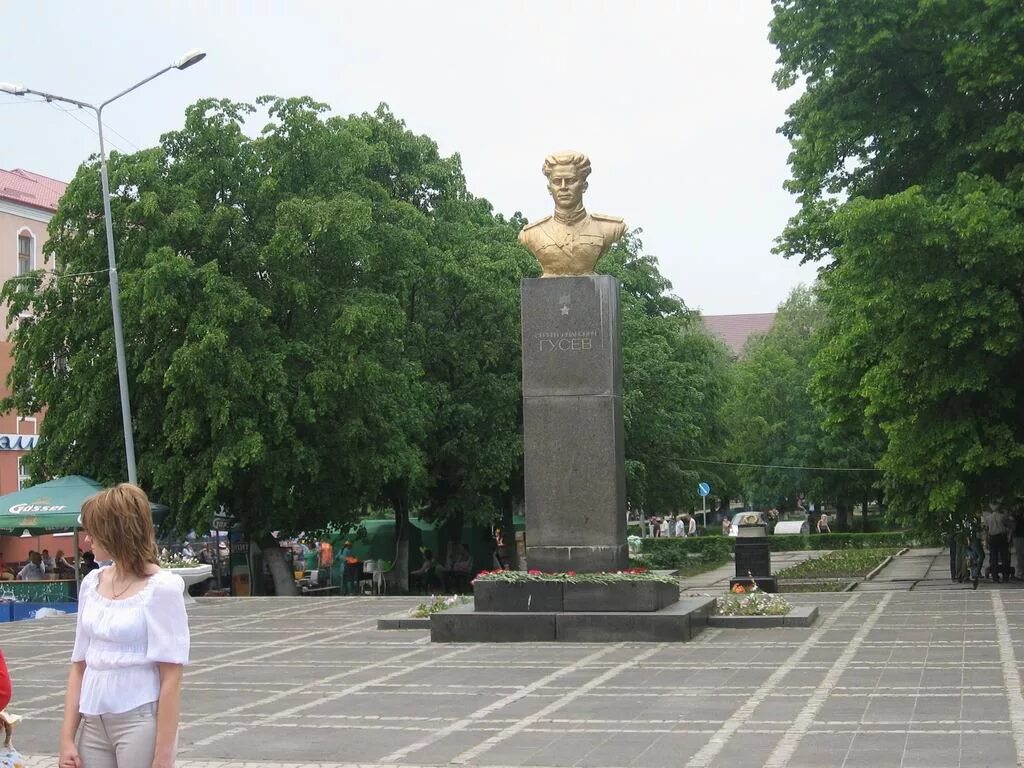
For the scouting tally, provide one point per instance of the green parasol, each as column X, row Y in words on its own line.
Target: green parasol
column 51, row 506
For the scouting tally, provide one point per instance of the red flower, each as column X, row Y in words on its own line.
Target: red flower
column 570, row 573
column 534, row 572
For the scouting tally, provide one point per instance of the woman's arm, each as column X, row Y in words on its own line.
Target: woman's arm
column 68, row 752
column 167, row 715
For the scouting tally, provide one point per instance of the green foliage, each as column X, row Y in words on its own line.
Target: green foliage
column 674, row 382
column 675, row 552
column 773, row 420
column 939, row 369
column 908, row 152
column 320, row 320
column 824, row 585
column 848, row 562
column 272, row 363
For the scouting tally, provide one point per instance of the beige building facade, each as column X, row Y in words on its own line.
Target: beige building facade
column 27, row 203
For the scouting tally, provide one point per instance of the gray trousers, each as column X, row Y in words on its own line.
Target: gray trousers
column 124, row 740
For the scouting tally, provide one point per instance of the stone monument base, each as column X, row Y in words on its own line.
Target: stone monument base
column 558, row 596
column 678, row 622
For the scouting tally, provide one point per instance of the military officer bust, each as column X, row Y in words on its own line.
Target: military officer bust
column 571, row 241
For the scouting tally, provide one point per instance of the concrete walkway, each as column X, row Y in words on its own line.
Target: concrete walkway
column 883, row 680
column 924, row 569
column 717, row 580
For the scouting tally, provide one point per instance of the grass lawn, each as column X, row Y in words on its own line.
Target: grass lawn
column 841, row 563
column 828, row 585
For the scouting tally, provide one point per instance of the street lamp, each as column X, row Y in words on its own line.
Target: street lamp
column 192, row 57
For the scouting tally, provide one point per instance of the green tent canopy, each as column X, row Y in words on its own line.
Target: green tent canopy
column 50, row 507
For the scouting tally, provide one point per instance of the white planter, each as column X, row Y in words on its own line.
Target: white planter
column 193, row 575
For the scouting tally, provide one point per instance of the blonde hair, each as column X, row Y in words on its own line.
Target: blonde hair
column 577, row 160
column 119, row 518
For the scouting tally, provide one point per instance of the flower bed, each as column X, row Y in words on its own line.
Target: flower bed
column 753, row 603
column 437, row 604
column 177, row 561
column 571, row 577
column 839, row 564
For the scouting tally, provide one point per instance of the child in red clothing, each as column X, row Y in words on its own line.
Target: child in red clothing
column 5, row 683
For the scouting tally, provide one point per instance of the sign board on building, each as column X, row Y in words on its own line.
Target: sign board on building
column 10, row 442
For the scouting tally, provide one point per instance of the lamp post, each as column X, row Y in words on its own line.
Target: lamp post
column 186, row 61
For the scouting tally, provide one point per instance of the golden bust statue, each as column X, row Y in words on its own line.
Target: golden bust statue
column 571, row 241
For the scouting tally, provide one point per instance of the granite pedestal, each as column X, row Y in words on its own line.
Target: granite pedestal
column 575, row 487
column 574, row 464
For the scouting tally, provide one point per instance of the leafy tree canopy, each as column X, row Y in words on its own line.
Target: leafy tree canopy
column 319, row 318
column 908, row 147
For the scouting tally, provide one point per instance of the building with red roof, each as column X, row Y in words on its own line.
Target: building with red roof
column 734, row 330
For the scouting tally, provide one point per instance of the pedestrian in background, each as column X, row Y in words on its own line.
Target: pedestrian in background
column 997, row 525
column 1018, row 538
column 123, row 694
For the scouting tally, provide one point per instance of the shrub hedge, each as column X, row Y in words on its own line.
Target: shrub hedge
column 675, row 552
column 896, row 539
column 672, row 551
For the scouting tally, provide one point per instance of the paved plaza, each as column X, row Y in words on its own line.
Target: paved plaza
column 890, row 678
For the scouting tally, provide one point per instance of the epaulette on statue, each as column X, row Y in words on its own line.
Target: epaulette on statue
column 536, row 223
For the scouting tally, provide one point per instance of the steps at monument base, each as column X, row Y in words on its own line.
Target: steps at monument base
column 678, row 622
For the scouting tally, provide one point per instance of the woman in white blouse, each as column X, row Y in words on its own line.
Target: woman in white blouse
column 132, row 639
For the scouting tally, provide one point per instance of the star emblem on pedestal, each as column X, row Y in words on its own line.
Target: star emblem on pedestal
column 565, row 310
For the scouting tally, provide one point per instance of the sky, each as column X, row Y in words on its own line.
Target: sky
column 672, row 101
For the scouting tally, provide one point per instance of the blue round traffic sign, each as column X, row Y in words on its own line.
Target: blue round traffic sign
column 703, row 489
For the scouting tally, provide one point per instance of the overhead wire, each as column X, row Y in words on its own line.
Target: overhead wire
column 70, row 113
column 782, row 466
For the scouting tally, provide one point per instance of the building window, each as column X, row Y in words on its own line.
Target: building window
column 27, row 425
column 26, row 248
column 24, row 480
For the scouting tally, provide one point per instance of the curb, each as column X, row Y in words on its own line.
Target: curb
column 403, row 621
column 800, row 616
column 874, row 572
column 884, row 563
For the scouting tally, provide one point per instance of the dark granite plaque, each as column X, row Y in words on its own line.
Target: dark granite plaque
column 571, row 340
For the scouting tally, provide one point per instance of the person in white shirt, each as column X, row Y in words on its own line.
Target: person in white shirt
column 691, row 529
column 680, row 526
column 664, row 527
column 123, row 694
column 33, row 570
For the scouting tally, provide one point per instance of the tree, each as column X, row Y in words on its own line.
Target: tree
column 268, row 372
column 775, row 422
column 318, row 319
column 908, row 145
column 673, row 385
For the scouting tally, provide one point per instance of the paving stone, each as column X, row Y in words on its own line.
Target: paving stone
column 311, row 682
